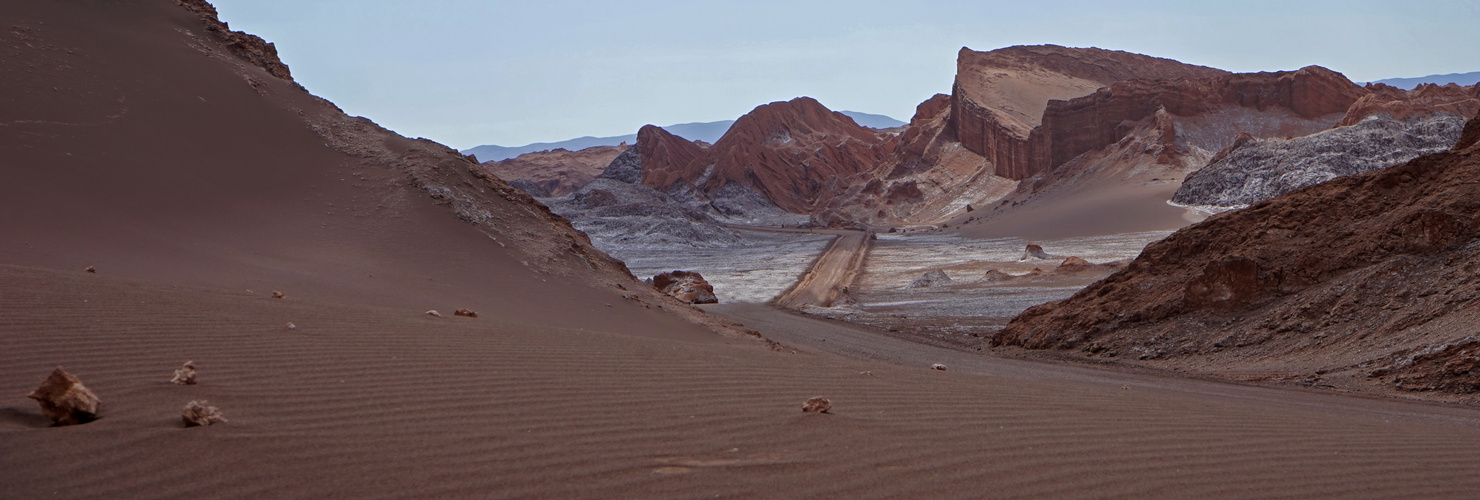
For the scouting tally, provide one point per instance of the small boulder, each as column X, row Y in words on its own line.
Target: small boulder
column 1074, row 265
column 468, row 313
column 931, row 278
column 276, row 294
column 938, row 366
column 91, row 269
column 292, row 326
column 185, row 375
column 200, row 412
column 65, row 400
column 818, row 404
column 433, row 313
column 688, row 286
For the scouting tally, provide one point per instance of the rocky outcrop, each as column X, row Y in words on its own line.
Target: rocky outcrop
column 688, row 286
column 931, row 278
column 1253, row 169
column 247, row 46
column 1334, row 275
column 1076, row 126
column 556, row 172
column 65, row 400
column 616, row 214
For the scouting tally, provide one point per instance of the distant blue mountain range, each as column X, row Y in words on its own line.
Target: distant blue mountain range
column 703, row 131
column 1462, row 79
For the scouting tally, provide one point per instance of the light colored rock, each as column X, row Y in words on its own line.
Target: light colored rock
column 938, row 366
column 199, row 412
column 434, row 313
column 185, row 375
column 65, row 400
column 277, row 295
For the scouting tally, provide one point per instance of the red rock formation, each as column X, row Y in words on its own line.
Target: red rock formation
column 1426, row 99
column 791, row 152
column 999, row 97
column 1071, row 128
column 556, row 172
column 668, row 159
column 245, row 45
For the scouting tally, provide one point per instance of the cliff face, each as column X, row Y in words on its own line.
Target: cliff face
column 999, row 97
column 556, row 172
column 1359, row 272
column 790, row 152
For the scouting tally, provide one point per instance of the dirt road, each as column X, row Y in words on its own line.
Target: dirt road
column 833, row 271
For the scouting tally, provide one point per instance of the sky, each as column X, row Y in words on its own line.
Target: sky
column 468, row 73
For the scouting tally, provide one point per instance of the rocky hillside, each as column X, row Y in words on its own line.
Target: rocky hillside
column 1383, row 128
column 790, row 152
column 1366, row 281
column 556, row 172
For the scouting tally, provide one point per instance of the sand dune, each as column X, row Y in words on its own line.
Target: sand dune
column 379, row 402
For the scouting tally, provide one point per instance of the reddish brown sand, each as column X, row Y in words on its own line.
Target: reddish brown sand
column 195, row 194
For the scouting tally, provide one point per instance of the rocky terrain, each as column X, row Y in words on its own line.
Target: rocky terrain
column 556, row 172
column 1383, row 128
column 1363, row 281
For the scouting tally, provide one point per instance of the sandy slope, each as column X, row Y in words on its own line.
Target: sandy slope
column 365, row 402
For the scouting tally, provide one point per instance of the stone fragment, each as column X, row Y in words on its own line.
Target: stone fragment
column 818, row 404
column 65, row 400
column 468, row 313
column 200, row 412
column 185, row 375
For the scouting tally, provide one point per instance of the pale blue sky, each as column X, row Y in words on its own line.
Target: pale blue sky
column 467, row 73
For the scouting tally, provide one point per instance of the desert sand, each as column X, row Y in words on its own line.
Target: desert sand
column 195, row 181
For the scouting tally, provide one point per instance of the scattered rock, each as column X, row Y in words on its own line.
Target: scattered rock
column 185, row 375
column 65, row 400
column 200, row 412
column 433, row 313
column 91, row 269
column 292, row 326
column 818, row 404
column 688, row 286
column 1074, row 265
column 468, row 313
column 935, row 277
column 276, row 294
column 938, row 366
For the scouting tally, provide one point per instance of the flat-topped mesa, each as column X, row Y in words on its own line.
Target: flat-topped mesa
column 789, row 151
column 999, row 97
